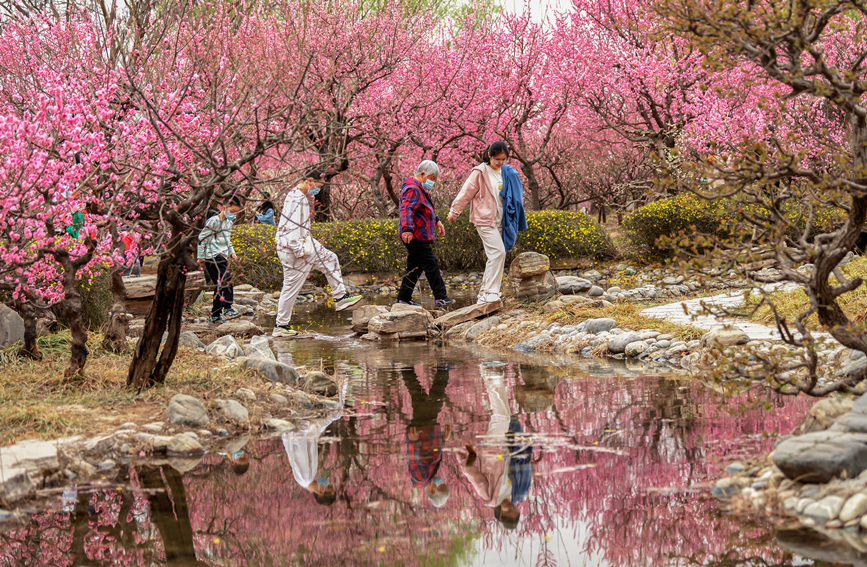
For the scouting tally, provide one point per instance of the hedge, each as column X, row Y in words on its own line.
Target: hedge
column 651, row 228
column 373, row 245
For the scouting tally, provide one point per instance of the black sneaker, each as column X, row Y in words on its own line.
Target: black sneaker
column 444, row 302
column 216, row 320
column 410, row 302
column 230, row 313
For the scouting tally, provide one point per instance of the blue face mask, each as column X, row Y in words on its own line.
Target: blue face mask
column 314, row 191
column 230, row 216
column 322, row 481
column 437, row 481
column 428, row 184
column 237, row 455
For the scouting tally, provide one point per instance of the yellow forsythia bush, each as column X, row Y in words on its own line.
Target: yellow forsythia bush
column 684, row 213
column 373, row 245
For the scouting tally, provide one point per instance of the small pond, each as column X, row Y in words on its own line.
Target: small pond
column 444, row 456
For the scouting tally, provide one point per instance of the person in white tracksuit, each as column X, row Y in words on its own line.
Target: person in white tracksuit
column 299, row 252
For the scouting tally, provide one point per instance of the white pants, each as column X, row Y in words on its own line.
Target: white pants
column 495, row 250
column 295, row 272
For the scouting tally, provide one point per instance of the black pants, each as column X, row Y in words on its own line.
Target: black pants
column 218, row 271
column 420, row 259
column 426, row 406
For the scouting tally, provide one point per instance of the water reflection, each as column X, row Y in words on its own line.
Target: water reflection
column 444, row 457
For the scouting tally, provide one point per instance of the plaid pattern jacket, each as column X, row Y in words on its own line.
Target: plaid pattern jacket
column 417, row 213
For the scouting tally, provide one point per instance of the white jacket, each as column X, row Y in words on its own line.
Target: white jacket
column 293, row 226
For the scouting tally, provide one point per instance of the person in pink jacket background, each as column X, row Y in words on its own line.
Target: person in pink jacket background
column 483, row 191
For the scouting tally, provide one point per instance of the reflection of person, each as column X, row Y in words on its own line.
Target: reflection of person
column 419, row 225
column 495, row 195
column 488, row 468
column 299, row 252
column 424, row 439
column 234, row 451
column 302, row 448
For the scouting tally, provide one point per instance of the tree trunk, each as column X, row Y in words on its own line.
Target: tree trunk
column 533, row 185
column 27, row 310
column 116, row 328
column 70, row 306
column 167, row 308
column 171, row 513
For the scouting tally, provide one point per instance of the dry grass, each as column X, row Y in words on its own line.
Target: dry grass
column 627, row 316
column 791, row 304
column 36, row 401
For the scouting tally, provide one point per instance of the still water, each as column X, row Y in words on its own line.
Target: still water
column 444, row 456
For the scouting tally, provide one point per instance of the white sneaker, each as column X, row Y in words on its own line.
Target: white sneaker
column 346, row 301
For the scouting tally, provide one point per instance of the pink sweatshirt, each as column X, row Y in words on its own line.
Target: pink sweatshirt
column 478, row 193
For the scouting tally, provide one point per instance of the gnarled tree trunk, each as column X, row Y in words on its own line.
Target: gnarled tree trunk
column 117, row 325
column 28, row 310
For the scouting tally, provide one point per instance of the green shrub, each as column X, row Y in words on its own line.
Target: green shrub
column 667, row 218
column 373, row 245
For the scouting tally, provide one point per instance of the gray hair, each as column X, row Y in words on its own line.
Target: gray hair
column 428, row 168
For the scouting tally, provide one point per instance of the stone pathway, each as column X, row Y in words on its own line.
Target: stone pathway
column 674, row 312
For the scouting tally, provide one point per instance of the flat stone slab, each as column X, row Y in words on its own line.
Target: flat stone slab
column 821, row 456
column 468, row 313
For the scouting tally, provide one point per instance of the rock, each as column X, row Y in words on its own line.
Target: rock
column 238, row 328
column 617, row 345
column 225, row 346
column 724, row 336
column 190, row 340
column 855, row 507
column 633, row 349
column 725, row 488
column 246, row 394
column 278, row 399
column 468, row 313
column 458, row 332
column 481, row 327
column 11, row 326
column 852, row 366
column 825, row 509
column 824, row 413
column 601, row 325
column 592, row 275
column 362, row 316
column 528, row 264
column 821, row 456
column 278, row 424
column 572, row 284
column 400, row 322
column 532, row 343
column 274, row 371
column 538, row 287
column 232, row 410
column 319, row 383
column 735, row 468
column 259, row 347
column 553, row 306
column 595, row 291
column 186, row 410
column 182, row 444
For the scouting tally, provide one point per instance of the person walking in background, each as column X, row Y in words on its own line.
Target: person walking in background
column 419, row 226
column 299, row 252
column 265, row 213
column 214, row 251
column 495, row 195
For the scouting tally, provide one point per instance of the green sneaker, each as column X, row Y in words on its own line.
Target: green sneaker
column 346, row 301
column 283, row 331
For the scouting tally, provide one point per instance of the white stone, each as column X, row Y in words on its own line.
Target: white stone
column 854, row 507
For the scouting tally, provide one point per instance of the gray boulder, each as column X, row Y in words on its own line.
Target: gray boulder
column 181, row 444
column 724, row 336
column 186, row 410
column 232, row 410
column 239, row 328
column 617, row 345
column 573, row 284
column 821, row 456
column 596, row 291
column 11, row 327
column 824, row 413
column 259, row 347
column 481, row 327
column 601, row 325
column 635, row 348
column 225, row 346
column 319, row 383
column 274, row 371
column 190, row 340
column 362, row 316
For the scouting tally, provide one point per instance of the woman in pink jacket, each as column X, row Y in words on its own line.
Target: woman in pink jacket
column 483, row 192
